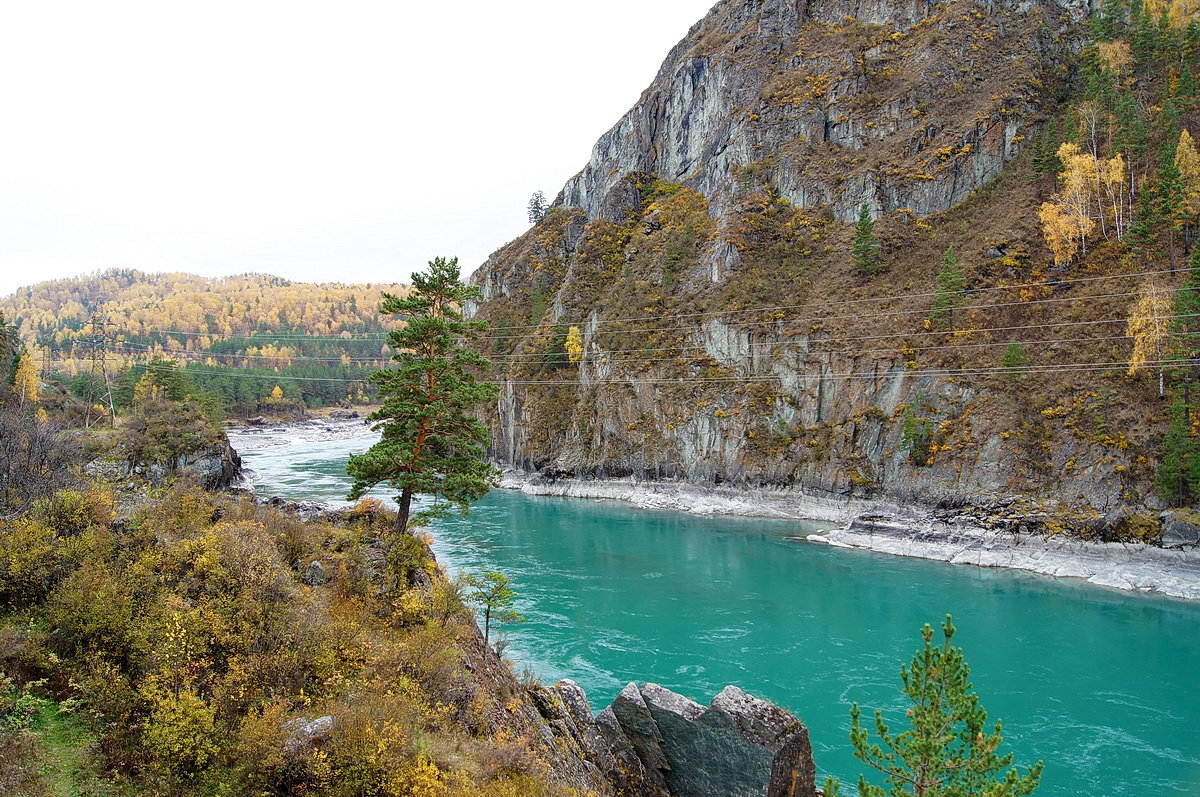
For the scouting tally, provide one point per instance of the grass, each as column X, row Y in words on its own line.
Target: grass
column 64, row 743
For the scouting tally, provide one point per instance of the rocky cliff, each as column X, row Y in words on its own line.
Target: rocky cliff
column 690, row 309
column 652, row 742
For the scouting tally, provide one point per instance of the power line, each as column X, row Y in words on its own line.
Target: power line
column 826, row 319
column 1053, row 284
column 895, row 370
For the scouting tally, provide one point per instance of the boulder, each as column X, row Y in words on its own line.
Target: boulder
column 316, row 574
column 656, row 742
column 641, row 730
column 306, row 733
column 1180, row 528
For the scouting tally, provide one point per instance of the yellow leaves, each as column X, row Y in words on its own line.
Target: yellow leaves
column 1187, row 160
column 146, row 390
column 1180, row 13
column 26, row 383
column 1115, row 56
column 574, row 344
column 1062, row 231
column 1148, row 326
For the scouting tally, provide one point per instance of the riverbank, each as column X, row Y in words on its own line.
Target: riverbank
column 905, row 531
column 867, row 524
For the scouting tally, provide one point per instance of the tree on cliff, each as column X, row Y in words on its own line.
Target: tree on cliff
column 431, row 444
column 949, row 292
column 865, row 249
column 490, row 591
column 948, row 751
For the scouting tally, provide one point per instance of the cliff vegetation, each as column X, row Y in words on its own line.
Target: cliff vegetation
column 934, row 253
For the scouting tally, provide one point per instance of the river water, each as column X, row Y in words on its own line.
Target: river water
column 1103, row 686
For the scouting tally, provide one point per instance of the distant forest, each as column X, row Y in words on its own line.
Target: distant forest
column 257, row 343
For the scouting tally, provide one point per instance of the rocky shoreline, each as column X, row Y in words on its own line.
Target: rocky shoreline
column 910, row 531
column 947, row 535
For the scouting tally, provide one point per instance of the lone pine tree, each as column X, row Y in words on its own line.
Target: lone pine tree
column 431, row 443
column 947, row 751
column 865, row 249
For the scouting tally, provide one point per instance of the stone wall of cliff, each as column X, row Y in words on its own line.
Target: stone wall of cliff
column 703, row 255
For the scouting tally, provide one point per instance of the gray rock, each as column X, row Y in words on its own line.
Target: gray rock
column 316, row 574
column 707, row 756
column 575, row 701
column 657, row 742
column 793, row 772
column 760, row 722
column 319, row 728
column 1180, row 528
column 640, row 728
column 306, row 733
column 621, row 765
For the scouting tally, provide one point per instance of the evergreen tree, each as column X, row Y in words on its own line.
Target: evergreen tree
column 1014, row 361
column 1131, row 134
column 865, row 249
column 536, row 210
column 10, row 348
column 1140, row 235
column 1177, row 479
column 491, row 592
column 1185, row 321
column 948, row 751
column 1171, row 194
column 949, row 290
column 431, row 444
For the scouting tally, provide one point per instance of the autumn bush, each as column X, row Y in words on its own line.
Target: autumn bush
column 181, row 626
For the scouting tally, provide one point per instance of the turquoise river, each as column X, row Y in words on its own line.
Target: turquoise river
column 1103, row 686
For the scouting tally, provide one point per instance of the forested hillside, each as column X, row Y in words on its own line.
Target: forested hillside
column 257, row 342
column 937, row 253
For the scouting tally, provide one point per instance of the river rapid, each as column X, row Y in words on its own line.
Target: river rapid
column 1099, row 684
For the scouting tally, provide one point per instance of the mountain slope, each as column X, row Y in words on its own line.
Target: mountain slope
column 726, row 333
column 240, row 336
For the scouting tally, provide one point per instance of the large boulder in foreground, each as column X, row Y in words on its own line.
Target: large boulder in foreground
column 653, row 742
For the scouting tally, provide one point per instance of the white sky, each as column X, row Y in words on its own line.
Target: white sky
column 333, row 141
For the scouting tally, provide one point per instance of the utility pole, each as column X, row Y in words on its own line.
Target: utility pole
column 97, row 342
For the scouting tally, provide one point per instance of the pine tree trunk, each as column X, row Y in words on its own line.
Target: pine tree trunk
column 403, row 511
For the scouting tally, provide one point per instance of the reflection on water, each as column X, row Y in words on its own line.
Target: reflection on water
column 1100, row 684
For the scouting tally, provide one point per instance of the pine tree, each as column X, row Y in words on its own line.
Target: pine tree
column 865, row 249
column 1184, row 328
column 948, row 751
column 431, row 444
column 949, row 290
column 10, row 348
column 1014, row 361
column 1171, row 195
column 1140, row 236
column 490, row 590
column 1177, row 479
column 537, row 208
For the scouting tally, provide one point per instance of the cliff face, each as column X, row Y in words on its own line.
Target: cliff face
column 830, row 97
column 702, row 259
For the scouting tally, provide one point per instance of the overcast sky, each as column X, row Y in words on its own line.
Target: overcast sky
column 334, row 141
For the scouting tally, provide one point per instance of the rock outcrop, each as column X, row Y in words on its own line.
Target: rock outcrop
column 652, row 742
column 806, row 88
column 703, row 256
